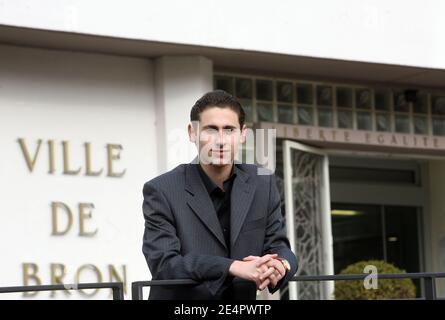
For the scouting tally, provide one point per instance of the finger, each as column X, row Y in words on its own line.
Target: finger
column 263, row 268
column 260, row 271
column 266, row 274
column 272, row 278
column 265, row 258
column 280, row 268
column 264, row 284
column 278, row 278
column 271, row 263
column 278, row 265
column 250, row 258
column 273, row 283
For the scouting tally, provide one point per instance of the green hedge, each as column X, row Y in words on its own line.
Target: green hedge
column 387, row 288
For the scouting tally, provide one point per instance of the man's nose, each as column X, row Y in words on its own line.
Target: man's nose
column 220, row 138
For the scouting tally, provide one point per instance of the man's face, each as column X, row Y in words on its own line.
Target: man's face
column 218, row 135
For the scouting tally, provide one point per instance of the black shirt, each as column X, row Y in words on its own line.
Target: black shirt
column 221, row 199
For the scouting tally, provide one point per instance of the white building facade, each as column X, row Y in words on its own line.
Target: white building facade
column 95, row 98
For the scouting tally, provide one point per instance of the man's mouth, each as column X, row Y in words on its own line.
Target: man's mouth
column 220, row 153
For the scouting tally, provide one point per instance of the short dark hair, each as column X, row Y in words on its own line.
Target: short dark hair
column 217, row 98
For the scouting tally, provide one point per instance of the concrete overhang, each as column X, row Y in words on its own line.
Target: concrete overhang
column 253, row 62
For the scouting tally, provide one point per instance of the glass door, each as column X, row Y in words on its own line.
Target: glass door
column 308, row 217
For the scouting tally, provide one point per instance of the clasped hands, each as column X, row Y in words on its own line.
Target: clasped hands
column 264, row 271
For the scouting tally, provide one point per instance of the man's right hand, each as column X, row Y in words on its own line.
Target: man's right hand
column 252, row 270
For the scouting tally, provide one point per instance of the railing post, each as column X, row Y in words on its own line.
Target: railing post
column 136, row 291
column 430, row 288
column 118, row 291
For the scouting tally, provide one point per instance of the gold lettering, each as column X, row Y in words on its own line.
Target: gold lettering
column 29, row 162
column 346, row 136
column 54, row 206
column 308, row 133
column 57, row 274
column 114, row 276
column 66, row 165
column 89, row 171
column 30, row 271
column 296, row 132
column 334, row 133
column 97, row 273
column 51, row 156
column 85, row 215
column 111, row 157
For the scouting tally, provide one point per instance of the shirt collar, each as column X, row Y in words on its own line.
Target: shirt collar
column 209, row 184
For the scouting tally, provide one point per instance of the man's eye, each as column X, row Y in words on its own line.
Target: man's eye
column 224, row 131
column 210, row 131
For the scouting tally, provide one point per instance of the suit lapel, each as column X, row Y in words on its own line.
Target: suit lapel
column 199, row 201
column 241, row 199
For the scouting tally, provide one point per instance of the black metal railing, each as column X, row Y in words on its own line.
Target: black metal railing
column 428, row 278
column 116, row 287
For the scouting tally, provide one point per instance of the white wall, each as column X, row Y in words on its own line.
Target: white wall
column 79, row 98
column 394, row 32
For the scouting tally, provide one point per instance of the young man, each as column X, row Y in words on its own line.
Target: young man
column 214, row 220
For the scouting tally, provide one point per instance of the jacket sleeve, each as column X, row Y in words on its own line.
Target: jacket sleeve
column 276, row 240
column 162, row 247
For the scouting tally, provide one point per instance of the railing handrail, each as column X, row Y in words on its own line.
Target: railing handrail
column 137, row 286
column 359, row 276
column 428, row 277
column 116, row 287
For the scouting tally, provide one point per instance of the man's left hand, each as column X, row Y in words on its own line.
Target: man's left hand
column 272, row 272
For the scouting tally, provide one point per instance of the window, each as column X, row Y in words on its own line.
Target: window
column 310, row 103
column 376, row 232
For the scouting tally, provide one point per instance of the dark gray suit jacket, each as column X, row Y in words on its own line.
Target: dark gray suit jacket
column 183, row 237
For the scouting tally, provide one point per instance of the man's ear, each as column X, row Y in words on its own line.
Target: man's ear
column 243, row 134
column 192, row 133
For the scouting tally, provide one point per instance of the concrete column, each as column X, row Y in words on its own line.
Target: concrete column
column 179, row 82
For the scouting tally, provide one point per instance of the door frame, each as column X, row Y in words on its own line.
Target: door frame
column 325, row 204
